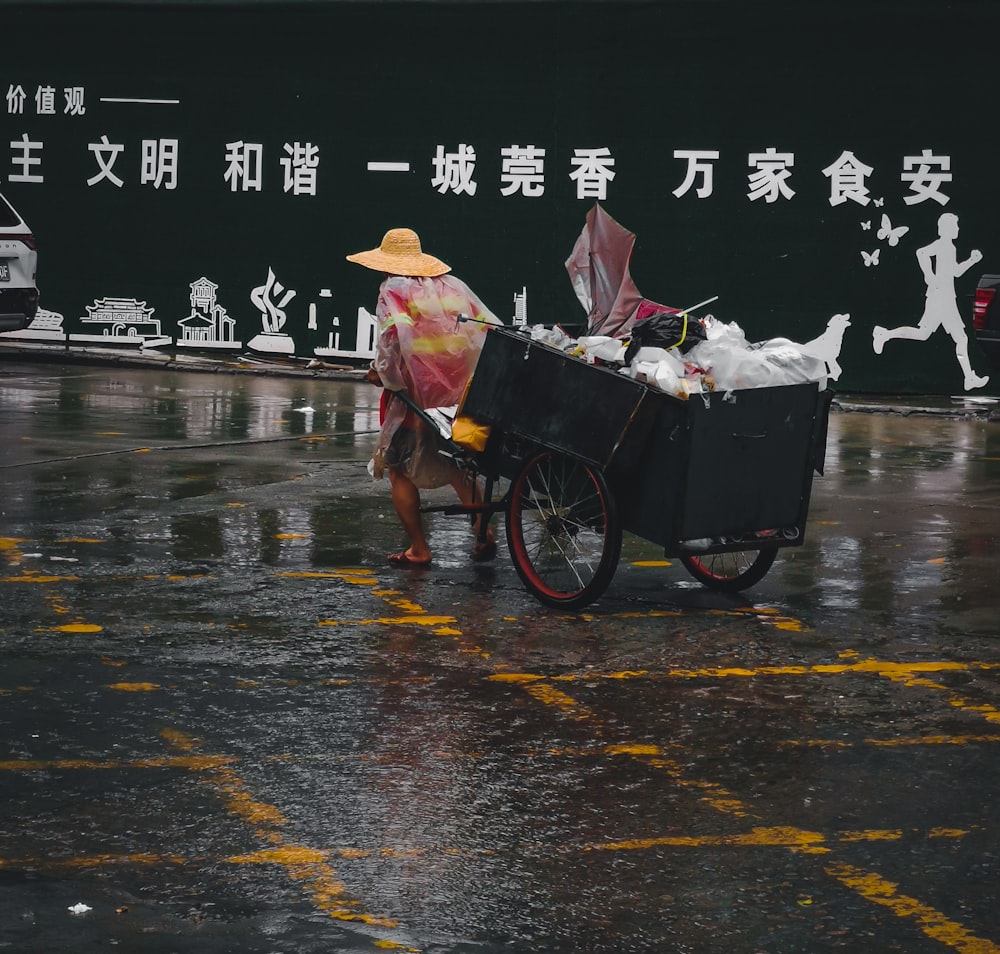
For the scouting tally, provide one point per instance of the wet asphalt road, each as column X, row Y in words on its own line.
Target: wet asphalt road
column 229, row 726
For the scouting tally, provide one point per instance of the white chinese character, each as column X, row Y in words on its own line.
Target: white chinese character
column 699, row 161
column 454, row 170
column 770, row 180
column 45, row 101
column 15, row 99
column 159, row 162
column 923, row 182
column 847, row 179
column 244, row 168
column 300, row 168
column 74, row 101
column 106, row 153
column 26, row 161
column 522, row 168
column 593, row 172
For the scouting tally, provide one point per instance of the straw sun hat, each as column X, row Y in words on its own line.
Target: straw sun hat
column 400, row 254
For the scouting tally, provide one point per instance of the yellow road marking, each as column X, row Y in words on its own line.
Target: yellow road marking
column 415, row 614
column 988, row 712
column 360, row 576
column 301, row 864
column 934, row 924
column 757, row 837
column 413, row 620
column 891, row 743
column 885, row 834
column 878, row 667
column 9, row 549
column 869, row 885
column 39, row 578
column 94, row 861
column 194, row 763
column 311, row 868
column 547, row 693
column 709, row 792
column 781, row 837
column 412, row 614
column 78, row 628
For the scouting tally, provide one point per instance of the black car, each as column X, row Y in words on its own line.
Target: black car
column 18, row 268
column 986, row 317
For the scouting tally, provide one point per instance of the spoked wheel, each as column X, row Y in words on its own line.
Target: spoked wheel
column 731, row 572
column 562, row 530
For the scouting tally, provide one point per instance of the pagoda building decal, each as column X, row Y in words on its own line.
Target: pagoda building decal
column 120, row 321
column 209, row 324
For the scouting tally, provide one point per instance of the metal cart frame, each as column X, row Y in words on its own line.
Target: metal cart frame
column 721, row 480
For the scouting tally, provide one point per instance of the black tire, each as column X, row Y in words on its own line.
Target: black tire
column 563, row 531
column 731, row 572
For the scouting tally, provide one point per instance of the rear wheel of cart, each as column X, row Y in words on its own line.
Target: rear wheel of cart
column 731, row 571
column 563, row 531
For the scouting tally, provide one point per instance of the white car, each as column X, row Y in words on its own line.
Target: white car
column 18, row 268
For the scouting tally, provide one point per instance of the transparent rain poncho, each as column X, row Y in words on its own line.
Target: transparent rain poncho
column 425, row 351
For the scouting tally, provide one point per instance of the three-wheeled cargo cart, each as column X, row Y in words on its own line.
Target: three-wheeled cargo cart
column 721, row 480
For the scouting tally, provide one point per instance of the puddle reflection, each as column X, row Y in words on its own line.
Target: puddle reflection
column 905, row 523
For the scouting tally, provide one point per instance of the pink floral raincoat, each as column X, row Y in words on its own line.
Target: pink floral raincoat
column 424, row 350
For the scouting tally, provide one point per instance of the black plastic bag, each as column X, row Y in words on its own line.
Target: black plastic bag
column 664, row 330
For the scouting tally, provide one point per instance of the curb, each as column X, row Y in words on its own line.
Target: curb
column 954, row 408
column 228, row 364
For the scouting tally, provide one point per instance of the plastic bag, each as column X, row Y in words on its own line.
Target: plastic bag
column 555, row 337
column 602, row 348
column 724, row 332
column 772, row 363
column 665, row 330
column 658, row 373
column 660, row 354
column 791, row 363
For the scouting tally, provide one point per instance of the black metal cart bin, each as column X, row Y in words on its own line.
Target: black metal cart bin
column 721, row 480
column 724, row 480
column 543, row 397
column 750, row 461
column 722, row 465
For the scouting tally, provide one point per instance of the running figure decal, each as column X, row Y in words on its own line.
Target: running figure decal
column 940, row 265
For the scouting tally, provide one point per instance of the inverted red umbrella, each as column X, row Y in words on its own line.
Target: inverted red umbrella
column 598, row 268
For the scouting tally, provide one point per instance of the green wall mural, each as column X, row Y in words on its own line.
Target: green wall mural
column 195, row 173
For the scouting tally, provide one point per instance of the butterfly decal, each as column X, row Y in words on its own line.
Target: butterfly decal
column 867, row 225
column 879, row 203
column 890, row 233
column 870, row 258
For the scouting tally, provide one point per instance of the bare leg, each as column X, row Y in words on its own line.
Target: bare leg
column 469, row 493
column 406, row 500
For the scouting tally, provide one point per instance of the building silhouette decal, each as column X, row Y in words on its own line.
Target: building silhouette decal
column 209, row 324
column 120, row 321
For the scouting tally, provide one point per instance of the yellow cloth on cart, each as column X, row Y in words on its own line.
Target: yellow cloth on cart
column 470, row 434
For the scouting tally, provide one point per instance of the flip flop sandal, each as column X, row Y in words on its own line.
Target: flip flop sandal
column 484, row 551
column 401, row 559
